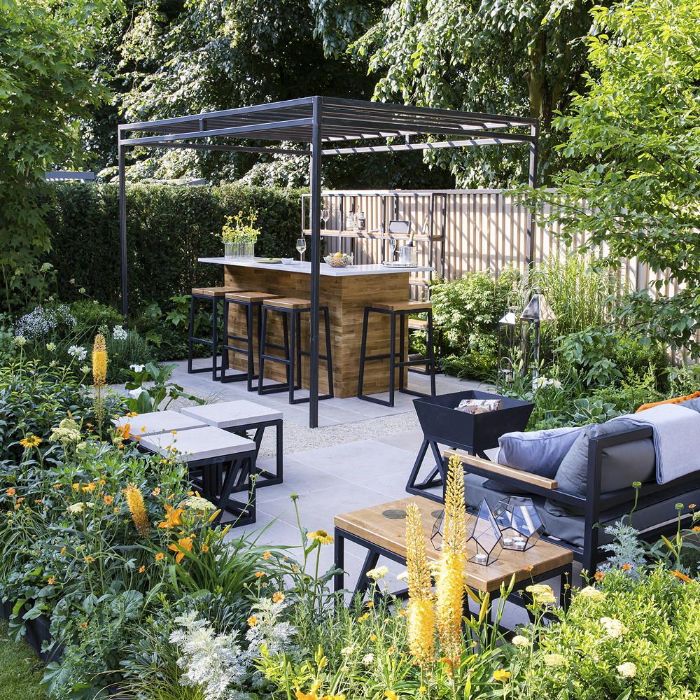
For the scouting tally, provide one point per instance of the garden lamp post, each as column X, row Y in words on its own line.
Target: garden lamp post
column 537, row 311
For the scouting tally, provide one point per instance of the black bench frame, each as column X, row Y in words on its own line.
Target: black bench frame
column 594, row 503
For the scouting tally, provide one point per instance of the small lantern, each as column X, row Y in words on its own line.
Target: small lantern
column 436, row 535
column 484, row 542
column 519, row 522
column 536, row 311
column 507, row 341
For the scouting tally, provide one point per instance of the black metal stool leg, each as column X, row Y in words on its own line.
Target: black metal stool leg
column 329, row 352
column 392, row 357
column 297, row 320
column 402, row 349
column 431, row 353
column 261, row 349
column 190, row 334
column 363, row 352
column 224, row 351
column 292, row 354
column 214, row 337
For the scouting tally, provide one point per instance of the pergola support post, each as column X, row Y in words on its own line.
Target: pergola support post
column 315, row 182
column 122, row 230
column 532, row 182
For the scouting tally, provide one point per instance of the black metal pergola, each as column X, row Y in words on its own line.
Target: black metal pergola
column 322, row 126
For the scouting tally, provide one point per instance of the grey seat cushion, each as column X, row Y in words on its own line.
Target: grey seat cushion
column 693, row 404
column 568, row 527
column 537, row 451
column 622, row 464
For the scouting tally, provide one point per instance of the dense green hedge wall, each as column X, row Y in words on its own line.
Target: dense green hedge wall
column 169, row 227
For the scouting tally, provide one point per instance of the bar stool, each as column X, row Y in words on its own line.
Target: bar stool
column 212, row 295
column 398, row 311
column 291, row 310
column 250, row 302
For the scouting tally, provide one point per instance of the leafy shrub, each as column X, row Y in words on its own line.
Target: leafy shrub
column 466, row 312
column 91, row 315
column 169, row 227
column 629, row 639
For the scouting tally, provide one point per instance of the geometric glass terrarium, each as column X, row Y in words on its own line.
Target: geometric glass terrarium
column 520, row 523
column 484, row 541
column 436, row 534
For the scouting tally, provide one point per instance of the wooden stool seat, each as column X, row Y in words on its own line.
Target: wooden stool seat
column 251, row 297
column 211, row 291
column 288, row 303
column 417, row 324
column 411, row 306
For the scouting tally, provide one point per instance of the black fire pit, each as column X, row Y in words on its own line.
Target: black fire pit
column 442, row 424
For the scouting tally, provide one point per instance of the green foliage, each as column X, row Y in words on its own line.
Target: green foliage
column 45, row 87
column 169, row 227
column 90, row 316
column 467, row 312
column 633, row 154
column 650, row 625
column 496, row 56
column 150, row 388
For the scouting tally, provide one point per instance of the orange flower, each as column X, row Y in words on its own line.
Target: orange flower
column 681, row 576
column 599, row 576
column 173, row 517
column 266, row 555
column 184, row 544
column 278, row 597
column 89, row 559
column 108, row 499
column 259, row 574
column 123, row 432
column 11, row 491
column 205, row 548
column 156, row 491
column 252, row 621
column 160, row 556
column 142, row 568
column 626, row 567
column 89, row 488
column 51, row 580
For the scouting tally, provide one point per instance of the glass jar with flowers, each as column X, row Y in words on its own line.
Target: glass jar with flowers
column 239, row 234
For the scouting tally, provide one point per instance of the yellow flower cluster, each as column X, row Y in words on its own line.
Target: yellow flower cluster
column 421, row 611
column 320, row 536
column 137, row 508
column 99, row 361
column 30, row 441
column 450, row 578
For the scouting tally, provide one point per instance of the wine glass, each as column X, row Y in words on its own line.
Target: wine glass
column 325, row 214
column 301, row 247
column 392, row 249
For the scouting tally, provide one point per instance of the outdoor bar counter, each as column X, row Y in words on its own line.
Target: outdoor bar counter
column 346, row 291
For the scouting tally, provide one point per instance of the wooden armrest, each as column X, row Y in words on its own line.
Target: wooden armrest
column 501, row 470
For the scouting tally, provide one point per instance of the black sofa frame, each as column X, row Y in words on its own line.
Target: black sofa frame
column 614, row 505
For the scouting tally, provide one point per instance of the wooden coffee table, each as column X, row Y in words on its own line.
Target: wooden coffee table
column 381, row 530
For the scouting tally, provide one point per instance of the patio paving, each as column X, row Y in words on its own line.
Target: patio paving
column 360, row 456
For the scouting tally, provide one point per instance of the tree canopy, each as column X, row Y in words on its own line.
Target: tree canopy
column 45, row 88
column 632, row 154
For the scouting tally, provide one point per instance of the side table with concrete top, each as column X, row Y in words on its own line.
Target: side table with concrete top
column 156, row 422
column 220, row 462
column 240, row 416
column 381, row 531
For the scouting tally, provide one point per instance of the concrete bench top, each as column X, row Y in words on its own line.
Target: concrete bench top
column 158, row 422
column 197, row 444
column 229, row 414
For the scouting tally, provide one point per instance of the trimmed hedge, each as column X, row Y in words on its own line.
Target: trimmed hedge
column 169, row 227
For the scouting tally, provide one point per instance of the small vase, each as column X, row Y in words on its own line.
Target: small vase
column 229, row 250
column 248, row 250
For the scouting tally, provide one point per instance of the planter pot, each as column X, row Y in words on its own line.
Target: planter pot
column 239, row 250
column 38, row 631
column 442, row 424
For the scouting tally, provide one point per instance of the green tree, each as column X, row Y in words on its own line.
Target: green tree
column 633, row 156
column 44, row 90
column 504, row 56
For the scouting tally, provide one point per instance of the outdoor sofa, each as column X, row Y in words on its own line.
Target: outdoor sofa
column 575, row 514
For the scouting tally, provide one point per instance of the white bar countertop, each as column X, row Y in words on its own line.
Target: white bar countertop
column 305, row 267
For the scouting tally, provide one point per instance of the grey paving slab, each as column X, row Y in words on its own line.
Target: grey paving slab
column 197, row 444
column 229, row 414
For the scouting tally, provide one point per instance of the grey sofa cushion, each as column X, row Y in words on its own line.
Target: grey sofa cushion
column 568, row 527
column 622, row 464
column 538, row 451
column 693, row 404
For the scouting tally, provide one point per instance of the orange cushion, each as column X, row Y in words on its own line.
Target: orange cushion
column 677, row 399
